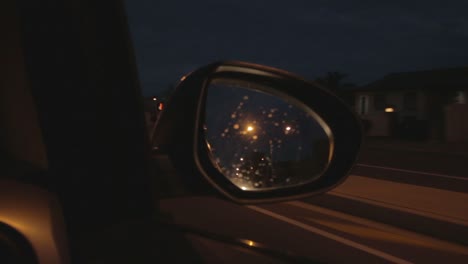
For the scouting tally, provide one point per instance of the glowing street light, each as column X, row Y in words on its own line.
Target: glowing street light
column 389, row 110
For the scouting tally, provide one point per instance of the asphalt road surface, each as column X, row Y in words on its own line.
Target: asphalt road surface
column 396, row 207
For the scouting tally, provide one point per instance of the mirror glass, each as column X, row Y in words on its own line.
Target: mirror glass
column 261, row 141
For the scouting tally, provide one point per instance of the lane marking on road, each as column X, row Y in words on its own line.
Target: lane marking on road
column 413, row 171
column 331, row 236
column 400, row 208
column 391, row 233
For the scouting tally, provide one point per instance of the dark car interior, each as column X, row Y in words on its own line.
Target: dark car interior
column 79, row 129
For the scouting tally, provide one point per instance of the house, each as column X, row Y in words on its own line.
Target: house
column 416, row 105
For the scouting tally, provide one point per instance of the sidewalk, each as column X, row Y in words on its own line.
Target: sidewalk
column 449, row 148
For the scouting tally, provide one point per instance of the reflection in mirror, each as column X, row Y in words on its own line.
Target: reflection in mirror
column 261, row 141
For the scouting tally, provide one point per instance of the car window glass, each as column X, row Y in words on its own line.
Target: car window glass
column 401, row 66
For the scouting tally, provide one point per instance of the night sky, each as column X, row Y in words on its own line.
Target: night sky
column 363, row 39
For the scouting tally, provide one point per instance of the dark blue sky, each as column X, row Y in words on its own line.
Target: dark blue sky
column 364, row 39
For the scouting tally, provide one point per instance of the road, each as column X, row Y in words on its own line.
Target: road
column 395, row 207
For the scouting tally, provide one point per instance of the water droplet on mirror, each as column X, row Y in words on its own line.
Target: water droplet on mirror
column 266, row 134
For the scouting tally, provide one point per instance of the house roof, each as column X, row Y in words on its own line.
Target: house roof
column 447, row 79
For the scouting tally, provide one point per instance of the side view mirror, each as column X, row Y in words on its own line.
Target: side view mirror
column 253, row 133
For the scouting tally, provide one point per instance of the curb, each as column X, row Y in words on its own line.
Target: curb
column 443, row 230
column 407, row 149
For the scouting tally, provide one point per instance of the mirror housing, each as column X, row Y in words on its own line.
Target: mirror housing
column 183, row 157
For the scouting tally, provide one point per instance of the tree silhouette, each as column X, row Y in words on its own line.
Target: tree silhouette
column 333, row 81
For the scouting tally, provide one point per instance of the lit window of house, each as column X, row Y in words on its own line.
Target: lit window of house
column 363, row 104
